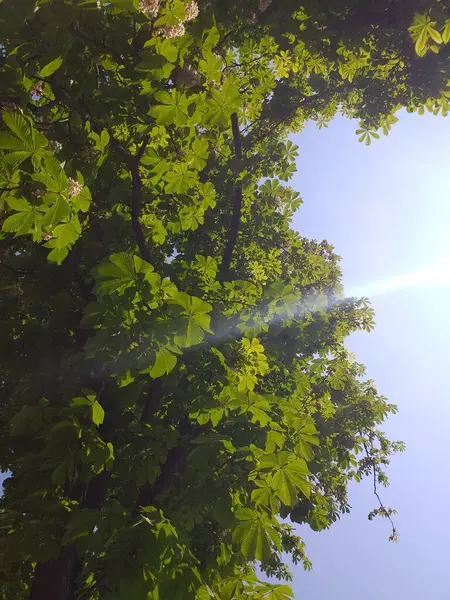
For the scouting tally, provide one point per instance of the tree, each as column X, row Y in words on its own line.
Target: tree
column 175, row 380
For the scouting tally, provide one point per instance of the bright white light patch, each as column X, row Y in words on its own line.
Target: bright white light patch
column 436, row 274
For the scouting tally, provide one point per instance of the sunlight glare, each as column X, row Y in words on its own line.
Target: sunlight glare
column 437, row 273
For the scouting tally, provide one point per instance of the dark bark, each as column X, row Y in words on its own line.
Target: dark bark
column 237, row 204
column 53, row 579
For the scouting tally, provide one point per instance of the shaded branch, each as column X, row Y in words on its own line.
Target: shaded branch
column 16, row 271
column 132, row 163
column 97, row 43
column 237, row 203
column 136, row 193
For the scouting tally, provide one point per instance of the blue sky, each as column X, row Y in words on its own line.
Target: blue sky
column 386, row 209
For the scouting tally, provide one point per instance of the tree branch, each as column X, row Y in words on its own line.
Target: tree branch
column 383, row 510
column 132, row 163
column 237, row 203
column 136, row 193
column 97, row 43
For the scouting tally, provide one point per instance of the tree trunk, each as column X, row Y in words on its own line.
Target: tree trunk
column 53, row 579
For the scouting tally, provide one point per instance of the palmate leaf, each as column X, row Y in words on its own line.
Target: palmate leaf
column 273, row 591
column 264, row 495
column 222, row 103
column 256, row 534
column 307, row 437
column 172, row 108
column 194, row 319
column 67, row 233
column 120, row 272
column 11, row 142
column 28, row 142
column 20, row 127
column 180, row 179
column 23, row 220
column 287, row 475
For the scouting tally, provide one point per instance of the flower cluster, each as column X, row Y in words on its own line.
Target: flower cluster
column 189, row 76
column 191, row 10
column 173, row 30
column 149, row 7
column 74, row 187
column 264, row 4
column 36, row 90
column 55, row 146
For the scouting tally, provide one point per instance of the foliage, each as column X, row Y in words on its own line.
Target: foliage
column 173, row 364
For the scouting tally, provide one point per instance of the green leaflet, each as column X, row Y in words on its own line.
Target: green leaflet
column 222, row 103
column 180, row 179
column 23, row 220
column 120, row 272
column 51, row 67
column 287, row 475
column 90, row 403
column 164, row 363
column 172, row 108
column 194, row 319
column 255, row 533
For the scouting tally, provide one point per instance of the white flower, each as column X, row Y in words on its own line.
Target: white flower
column 74, row 187
column 189, row 76
column 191, row 10
column 149, row 7
column 173, row 31
column 55, row 146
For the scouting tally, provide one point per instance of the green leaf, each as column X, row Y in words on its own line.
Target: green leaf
column 210, row 38
column 67, row 234
column 172, row 108
column 288, row 475
column 116, row 275
column 97, row 413
column 164, row 363
column 180, row 179
column 51, row 67
column 58, row 211
column 168, row 48
column 11, row 142
column 57, row 255
column 446, row 32
column 223, row 102
column 19, row 126
column 255, row 534
column 435, row 35
column 21, row 222
column 278, row 592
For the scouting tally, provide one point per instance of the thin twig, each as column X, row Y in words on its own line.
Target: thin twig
column 14, row 270
column 383, row 509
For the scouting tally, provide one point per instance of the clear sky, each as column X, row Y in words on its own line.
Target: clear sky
column 386, row 209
